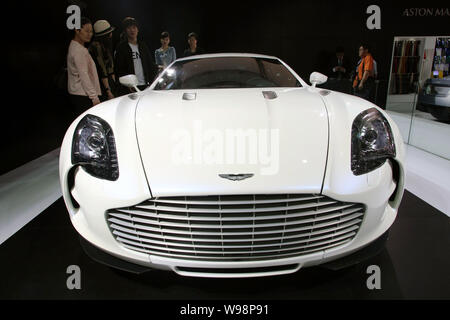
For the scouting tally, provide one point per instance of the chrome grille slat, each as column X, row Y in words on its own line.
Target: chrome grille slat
column 126, row 212
column 204, row 233
column 281, row 200
column 236, row 210
column 267, row 256
column 223, row 246
column 235, row 227
column 220, row 238
column 348, row 235
column 224, row 226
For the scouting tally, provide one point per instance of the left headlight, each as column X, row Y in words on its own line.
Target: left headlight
column 372, row 141
column 94, row 148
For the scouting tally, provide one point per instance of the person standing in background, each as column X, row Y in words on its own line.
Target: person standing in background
column 193, row 48
column 82, row 78
column 340, row 66
column 375, row 69
column 102, row 53
column 165, row 55
column 364, row 82
column 132, row 56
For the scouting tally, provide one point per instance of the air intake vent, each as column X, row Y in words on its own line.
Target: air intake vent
column 236, row 227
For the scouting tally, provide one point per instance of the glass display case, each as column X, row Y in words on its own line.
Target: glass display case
column 419, row 92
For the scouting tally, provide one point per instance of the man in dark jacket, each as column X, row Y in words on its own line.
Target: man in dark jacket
column 132, row 56
column 339, row 65
column 193, row 49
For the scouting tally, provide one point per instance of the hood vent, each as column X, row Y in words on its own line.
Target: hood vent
column 269, row 95
column 189, row 96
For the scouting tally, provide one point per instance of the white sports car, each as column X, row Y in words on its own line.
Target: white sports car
column 230, row 165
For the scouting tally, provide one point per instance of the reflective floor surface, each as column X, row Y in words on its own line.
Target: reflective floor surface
column 414, row 265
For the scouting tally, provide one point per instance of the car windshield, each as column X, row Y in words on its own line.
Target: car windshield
column 226, row 72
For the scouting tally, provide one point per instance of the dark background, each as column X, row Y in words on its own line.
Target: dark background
column 302, row 33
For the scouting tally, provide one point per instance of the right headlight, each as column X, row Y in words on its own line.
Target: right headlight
column 372, row 141
column 94, row 148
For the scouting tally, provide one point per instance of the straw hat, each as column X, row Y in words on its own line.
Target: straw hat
column 102, row 27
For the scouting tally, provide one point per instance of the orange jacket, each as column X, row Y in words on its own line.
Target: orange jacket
column 366, row 64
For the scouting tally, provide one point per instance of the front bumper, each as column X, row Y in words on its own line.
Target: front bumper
column 97, row 196
column 367, row 252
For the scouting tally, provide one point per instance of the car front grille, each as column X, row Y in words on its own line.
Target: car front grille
column 236, row 227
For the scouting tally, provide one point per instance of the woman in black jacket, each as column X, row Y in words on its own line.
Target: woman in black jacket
column 102, row 53
column 132, row 56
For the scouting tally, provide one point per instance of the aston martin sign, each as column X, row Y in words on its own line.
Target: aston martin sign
column 426, row 12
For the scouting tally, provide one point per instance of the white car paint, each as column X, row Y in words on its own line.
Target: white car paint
column 234, row 109
column 315, row 136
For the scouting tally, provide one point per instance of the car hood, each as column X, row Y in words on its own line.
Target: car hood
column 201, row 146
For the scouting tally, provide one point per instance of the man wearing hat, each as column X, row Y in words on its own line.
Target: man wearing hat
column 102, row 53
column 132, row 56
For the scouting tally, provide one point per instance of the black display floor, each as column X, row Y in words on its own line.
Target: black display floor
column 415, row 264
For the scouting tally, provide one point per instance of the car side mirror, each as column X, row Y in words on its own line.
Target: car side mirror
column 130, row 81
column 317, row 78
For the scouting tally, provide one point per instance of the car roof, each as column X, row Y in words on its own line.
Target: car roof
column 219, row 55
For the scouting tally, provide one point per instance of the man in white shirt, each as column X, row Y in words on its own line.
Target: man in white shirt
column 133, row 57
column 137, row 62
